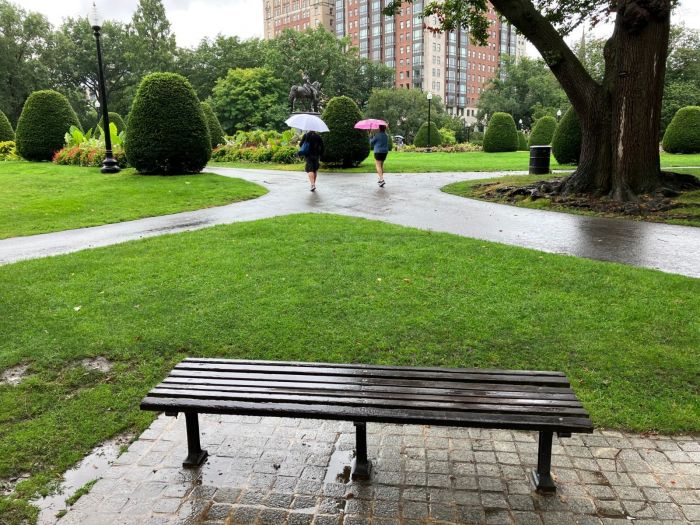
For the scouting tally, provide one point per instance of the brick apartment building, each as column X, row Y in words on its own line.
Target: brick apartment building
column 445, row 63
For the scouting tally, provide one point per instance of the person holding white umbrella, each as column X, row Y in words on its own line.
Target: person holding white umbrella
column 311, row 145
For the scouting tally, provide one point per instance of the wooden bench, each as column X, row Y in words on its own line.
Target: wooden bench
column 500, row 399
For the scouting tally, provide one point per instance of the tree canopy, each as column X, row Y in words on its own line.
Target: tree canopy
column 525, row 87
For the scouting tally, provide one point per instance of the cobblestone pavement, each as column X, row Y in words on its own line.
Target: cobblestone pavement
column 284, row 471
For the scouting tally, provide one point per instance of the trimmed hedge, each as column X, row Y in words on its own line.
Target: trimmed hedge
column 501, row 135
column 46, row 118
column 543, row 131
column 344, row 145
column 522, row 142
column 216, row 132
column 683, row 133
column 566, row 143
column 116, row 119
column 168, row 132
column 6, row 131
column 421, row 140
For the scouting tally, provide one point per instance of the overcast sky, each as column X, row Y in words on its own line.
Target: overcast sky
column 193, row 20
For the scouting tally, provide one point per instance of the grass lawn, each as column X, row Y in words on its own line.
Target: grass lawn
column 399, row 162
column 687, row 214
column 43, row 197
column 328, row 288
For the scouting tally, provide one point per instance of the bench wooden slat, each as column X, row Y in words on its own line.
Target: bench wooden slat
column 206, row 374
column 445, row 375
column 371, row 391
column 371, row 414
column 337, row 402
column 376, row 367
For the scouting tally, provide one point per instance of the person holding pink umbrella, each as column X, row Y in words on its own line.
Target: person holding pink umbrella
column 379, row 144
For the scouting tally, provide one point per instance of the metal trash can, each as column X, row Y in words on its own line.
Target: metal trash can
column 539, row 160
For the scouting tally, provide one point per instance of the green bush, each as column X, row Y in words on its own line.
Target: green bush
column 543, row 131
column 447, row 137
column 566, row 143
column 522, row 142
column 216, row 132
column 501, row 134
column 46, row 118
column 275, row 153
column 476, row 138
column 168, row 132
column 344, row 145
column 8, row 151
column 116, row 119
column 6, row 131
column 683, row 133
column 421, row 140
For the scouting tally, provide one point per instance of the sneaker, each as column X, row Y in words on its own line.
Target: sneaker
column 313, row 188
column 381, row 183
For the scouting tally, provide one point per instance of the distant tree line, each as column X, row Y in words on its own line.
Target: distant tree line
column 35, row 55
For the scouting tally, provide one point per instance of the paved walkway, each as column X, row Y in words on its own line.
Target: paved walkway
column 279, row 471
column 409, row 200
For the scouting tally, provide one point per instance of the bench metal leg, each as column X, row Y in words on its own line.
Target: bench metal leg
column 542, row 477
column 195, row 454
column 361, row 466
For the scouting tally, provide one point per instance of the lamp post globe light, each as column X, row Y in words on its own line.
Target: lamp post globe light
column 520, row 121
column 558, row 114
column 109, row 165
column 430, row 98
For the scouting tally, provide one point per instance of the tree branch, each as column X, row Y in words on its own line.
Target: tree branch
column 573, row 77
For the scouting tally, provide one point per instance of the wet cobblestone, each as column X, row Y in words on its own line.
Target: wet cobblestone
column 295, row 472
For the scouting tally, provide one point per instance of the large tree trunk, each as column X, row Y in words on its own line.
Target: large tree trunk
column 620, row 145
column 620, row 118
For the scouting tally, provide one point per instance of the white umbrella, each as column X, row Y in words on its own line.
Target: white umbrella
column 306, row 122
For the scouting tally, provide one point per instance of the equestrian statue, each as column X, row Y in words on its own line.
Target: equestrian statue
column 310, row 91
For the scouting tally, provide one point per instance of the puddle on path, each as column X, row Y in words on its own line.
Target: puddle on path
column 90, row 468
column 13, row 376
column 339, row 466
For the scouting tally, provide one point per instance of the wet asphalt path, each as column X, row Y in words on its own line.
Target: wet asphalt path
column 408, row 200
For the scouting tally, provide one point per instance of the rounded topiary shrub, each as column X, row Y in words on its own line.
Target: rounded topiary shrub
column 344, row 145
column 168, row 133
column 683, row 133
column 543, row 131
column 116, row 119
column 522, row 142
column 421, row 140
column 566, row 143
column 501, row 134
column 216, row 132
column 6, row 132
column 46, row 118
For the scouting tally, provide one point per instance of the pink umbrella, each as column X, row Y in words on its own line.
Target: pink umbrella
column 370, row 123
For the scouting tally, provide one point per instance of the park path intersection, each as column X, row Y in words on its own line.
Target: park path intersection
column 409, row 199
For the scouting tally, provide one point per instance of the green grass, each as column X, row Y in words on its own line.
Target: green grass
column 43, row 197
column 687, row 215
column 328, row 288
column 400, row 162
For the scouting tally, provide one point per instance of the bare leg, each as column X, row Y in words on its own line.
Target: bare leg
column 380, row 169
column 312, row 180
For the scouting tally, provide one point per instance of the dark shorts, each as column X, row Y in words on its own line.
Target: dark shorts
column 312, row 164
column 380, row 156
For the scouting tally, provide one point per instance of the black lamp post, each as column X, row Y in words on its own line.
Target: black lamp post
column 430, row 98
column 109, row 165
